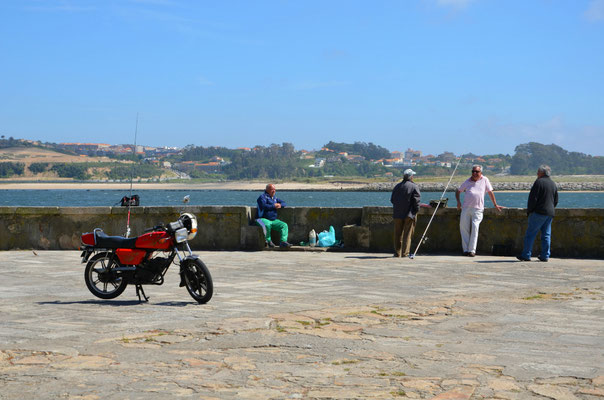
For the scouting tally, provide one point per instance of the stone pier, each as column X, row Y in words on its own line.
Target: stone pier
column 308, row 325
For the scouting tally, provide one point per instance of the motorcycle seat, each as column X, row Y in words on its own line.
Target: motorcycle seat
column 113, row 242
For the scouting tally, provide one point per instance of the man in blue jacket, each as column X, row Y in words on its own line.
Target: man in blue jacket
column 268, row 205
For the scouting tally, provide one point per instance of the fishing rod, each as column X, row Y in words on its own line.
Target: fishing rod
column 412, row 256
column 132, row 177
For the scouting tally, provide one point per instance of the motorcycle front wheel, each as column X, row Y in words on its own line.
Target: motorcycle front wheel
column 198, row 280
column 101, row 278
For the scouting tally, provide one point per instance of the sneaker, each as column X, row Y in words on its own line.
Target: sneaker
column 542, row 259
column 285, row 244
column 520, row 258
column 471, row 254
column 270, row 244
column 466, row 253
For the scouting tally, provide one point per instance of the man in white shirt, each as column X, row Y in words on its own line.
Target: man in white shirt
column 473, row 207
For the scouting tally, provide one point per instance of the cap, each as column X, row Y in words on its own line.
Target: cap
column 408, row 172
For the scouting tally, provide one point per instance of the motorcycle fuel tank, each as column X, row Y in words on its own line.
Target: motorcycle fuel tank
column 154, row 240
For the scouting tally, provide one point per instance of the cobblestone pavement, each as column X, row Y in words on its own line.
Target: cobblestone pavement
column 305, row 325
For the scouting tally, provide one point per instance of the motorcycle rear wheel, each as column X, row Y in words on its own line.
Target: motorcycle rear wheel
column 101, row 279
column 198, row 280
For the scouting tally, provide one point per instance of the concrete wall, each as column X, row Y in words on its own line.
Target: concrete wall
column 575, row 232
column 220, row 227
column 61, row 227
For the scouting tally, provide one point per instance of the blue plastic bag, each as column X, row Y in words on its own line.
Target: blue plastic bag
column 327, row 239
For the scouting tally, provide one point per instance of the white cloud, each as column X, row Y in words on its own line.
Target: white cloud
column 204, row 81
column 155, row 2
column 309, row 85
column 60, row 6
column 454, row 3
column 595, row 11
column 336, row 54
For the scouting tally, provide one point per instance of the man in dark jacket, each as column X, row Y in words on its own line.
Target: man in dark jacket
column 405, row 203
column 268, row 205
column 542, row 200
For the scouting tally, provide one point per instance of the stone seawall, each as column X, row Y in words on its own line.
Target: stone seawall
column 500, row 186
column 575, row 232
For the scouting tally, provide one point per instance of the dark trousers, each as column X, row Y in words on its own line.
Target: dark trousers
column 403, row 231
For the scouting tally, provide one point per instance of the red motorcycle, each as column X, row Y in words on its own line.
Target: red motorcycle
column 113, row 262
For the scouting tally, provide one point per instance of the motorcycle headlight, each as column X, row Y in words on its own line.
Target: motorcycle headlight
column 181, row 235
column 190, row 222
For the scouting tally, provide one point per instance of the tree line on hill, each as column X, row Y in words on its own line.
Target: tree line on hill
column 530, row 156
column 284, row 162
column 369, row 150
column 82, row 171
column 9, row 169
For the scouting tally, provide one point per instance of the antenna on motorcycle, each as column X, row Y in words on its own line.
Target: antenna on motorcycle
column 132, row 177
column 185, row 201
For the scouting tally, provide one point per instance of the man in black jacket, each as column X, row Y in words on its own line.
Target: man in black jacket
column 542, row 200
column 405, row 202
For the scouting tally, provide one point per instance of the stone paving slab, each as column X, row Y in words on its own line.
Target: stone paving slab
column 308, row 325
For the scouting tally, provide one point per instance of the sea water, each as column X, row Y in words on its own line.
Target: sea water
column 100, row 197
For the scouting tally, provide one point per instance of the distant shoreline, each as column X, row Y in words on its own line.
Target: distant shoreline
column 238, row 185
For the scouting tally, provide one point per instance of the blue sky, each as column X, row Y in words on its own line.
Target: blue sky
column 477, row 76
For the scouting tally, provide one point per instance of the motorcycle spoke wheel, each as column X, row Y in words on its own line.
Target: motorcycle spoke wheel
column 198, row 281
column 101, row 279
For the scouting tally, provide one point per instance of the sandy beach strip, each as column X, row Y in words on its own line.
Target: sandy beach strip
column 239, row 185
column 233, row 185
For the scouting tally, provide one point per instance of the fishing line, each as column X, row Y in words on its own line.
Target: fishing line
column 132, row 177
column 412, row 256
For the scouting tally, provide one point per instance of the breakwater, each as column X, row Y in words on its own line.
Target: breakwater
column 575, row 232
column 499, row 186
column 106, row 198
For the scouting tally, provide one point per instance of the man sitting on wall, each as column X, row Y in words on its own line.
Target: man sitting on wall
column 268, row 205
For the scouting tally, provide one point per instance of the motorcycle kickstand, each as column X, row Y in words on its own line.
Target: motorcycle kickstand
column 139, row 291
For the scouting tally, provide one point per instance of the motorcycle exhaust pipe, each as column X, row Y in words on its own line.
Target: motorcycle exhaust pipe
column 124, row 269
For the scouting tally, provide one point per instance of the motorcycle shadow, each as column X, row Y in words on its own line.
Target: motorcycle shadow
column 118, row 303
column 369, row 257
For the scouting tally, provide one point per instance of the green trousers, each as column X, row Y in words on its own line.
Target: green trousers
column 277, row 225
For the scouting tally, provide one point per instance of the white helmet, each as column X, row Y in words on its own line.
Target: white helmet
column 190, row 222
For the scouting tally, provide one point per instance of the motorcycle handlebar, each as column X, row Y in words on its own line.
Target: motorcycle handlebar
column 155, row 228
column 172, row 226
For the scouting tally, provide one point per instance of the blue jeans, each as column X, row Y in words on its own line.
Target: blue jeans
column 536, row 223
